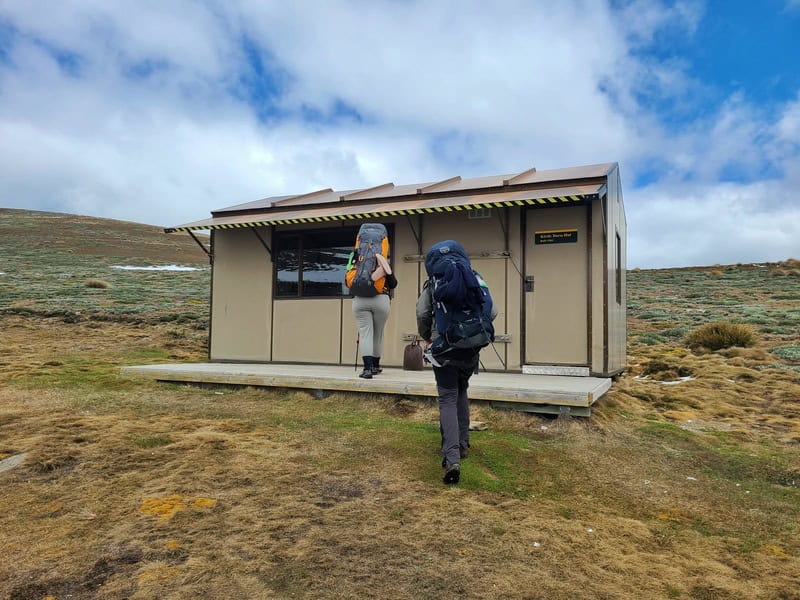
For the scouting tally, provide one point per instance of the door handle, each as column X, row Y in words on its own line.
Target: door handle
column 529, row 283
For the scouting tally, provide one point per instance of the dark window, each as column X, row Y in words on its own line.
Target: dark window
column 287, row 261
column 619, row 270
column 312, row 263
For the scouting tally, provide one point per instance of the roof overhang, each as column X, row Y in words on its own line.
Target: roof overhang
column 413, row 205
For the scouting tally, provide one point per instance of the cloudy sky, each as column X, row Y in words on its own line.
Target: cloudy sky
column 160, row 111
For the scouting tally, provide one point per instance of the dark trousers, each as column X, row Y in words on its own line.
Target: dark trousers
column 452, row 383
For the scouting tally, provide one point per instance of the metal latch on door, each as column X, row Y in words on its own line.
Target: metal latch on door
column 529, row 283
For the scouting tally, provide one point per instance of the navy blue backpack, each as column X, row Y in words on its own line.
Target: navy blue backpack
column 462, row 303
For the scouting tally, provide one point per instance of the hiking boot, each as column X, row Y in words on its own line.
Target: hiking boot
column 367, row 372
column 376, row 365
column 452, row 474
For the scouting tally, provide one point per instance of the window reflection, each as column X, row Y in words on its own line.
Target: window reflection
column 313, row 263
column 324, row 270
column 287, row 261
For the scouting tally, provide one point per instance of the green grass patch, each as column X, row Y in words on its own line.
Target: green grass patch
column 650, row 339
column 674, row 332
column 791, row 353
column 497, row 461
column 655, row 315
column 76, row 370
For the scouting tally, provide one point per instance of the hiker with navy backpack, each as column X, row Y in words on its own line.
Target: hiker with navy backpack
column 454, row 315
column 369, row 278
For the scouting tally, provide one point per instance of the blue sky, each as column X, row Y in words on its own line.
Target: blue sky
column 163, row 112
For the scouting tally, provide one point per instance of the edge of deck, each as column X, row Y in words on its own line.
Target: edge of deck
column 497, row 387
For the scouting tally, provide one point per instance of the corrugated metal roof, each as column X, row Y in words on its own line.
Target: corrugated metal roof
column 453, row 184
column 392, row 206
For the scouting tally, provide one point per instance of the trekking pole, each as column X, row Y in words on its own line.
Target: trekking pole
column 355, row 360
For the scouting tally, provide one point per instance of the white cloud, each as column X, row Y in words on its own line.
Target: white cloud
column 146, row 120
column 685, row 225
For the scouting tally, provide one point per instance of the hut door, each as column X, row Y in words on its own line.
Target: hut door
column 556, row 264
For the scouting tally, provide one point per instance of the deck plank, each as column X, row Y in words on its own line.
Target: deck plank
column 501, row 387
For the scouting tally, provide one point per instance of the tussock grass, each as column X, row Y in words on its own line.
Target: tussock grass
column 97, row 284
column 716, row 336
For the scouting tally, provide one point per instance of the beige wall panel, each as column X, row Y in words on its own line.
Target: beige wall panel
column 242, row 287
column 493, row 270
column 514, row 292
column 599, row 302
column 476, row 235
column 617, row 325
column 307, row 331
column 349, row 333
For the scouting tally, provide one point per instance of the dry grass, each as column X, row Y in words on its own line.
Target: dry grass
column 683, row 484
column 789, row 268
column 144, row 490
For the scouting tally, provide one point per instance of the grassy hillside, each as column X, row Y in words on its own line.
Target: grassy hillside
column 684, row 484
column 50, row 263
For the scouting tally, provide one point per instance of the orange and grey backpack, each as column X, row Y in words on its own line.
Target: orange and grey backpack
column 372, row 239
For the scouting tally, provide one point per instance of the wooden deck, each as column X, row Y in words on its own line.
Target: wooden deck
column 531, row 393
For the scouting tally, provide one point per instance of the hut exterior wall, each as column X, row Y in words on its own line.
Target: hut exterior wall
column 617, row 270
column 323, row 330
column 242, row 289
column 599, row 301
column 307, row 330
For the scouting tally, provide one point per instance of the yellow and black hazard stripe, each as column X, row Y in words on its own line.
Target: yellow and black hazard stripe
column 392, row 213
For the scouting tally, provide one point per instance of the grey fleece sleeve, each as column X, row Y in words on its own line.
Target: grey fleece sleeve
column 425, row 313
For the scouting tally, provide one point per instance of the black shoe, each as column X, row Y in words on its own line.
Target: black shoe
column 367, row 372
column 453, row 473
column 376, row 365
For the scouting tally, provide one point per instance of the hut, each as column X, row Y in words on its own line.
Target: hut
column 551, row 244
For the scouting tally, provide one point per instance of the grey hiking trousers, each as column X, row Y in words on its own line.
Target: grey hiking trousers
column 371, row 315
column 452, row 383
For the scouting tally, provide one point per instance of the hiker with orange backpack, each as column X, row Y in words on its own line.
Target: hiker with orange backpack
column 454, row 314
column 369, row 278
